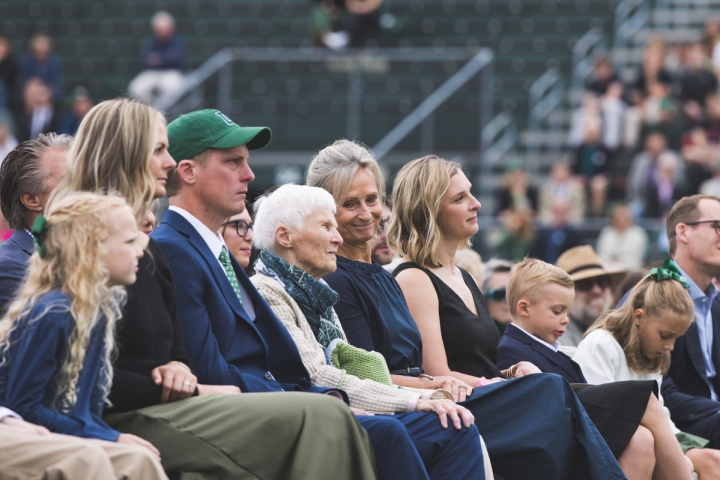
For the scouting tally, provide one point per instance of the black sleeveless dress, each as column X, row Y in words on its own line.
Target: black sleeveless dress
column 471, row 345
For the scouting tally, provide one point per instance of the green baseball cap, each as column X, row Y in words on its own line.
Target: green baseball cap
column 194, row 132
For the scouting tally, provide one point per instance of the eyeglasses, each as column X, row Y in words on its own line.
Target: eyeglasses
column 384, row 222
column 715, row 224
column 241, row 227
column 587, row 284
column 496, row 294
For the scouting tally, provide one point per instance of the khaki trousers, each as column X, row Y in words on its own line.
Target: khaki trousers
column 62, row 457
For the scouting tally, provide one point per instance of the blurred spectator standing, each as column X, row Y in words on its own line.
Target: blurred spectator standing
column 593, row 290
column 82, row 103
column 7, row 140
column 563, row 187
column 8, row 73
column 643, row 171
column 602, row 76
column 493, row 286
column 591, row 164
column 660, row 114
column 652, row 70
column 612, row 111
column 663, row 189
column 700, row 157
column 40, row 62
column 163, row 58
column 697, row 80
column 712, row 118
column 622, row 244
column 519, row 236
column 337, row 24
column 516, row 192
column 551, row 241
column 40, row 115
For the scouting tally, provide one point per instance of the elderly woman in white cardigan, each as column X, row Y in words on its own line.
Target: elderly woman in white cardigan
column 296, row 231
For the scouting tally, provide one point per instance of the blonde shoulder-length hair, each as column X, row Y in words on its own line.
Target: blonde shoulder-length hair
column 335, row 166
column 659, row 300
column 73, row 262
column 112, row 151
column 417, row 199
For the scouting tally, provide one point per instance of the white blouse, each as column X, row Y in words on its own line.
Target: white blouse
column 603, row 360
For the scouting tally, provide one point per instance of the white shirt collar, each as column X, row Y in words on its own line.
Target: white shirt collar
column 213, row 239
column 6, row 412
column 554, row 347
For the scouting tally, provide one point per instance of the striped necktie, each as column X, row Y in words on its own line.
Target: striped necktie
column 227, row 266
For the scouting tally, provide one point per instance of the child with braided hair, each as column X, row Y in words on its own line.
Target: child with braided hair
column 634, row 341
column 57, row 337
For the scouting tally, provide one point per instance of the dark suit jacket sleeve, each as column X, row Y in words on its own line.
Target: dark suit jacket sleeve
column 686, row 408
column 510, row 352
column 203, row 350
column 350, row 311
column 12, row 273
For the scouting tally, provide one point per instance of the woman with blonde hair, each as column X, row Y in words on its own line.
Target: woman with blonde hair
column 634, row 341
column 533, row 427
column 57, row 337
column 434, row 219
column 122, row 146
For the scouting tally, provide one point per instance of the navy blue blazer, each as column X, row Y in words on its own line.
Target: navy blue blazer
column 686, row 387
column 14, row 256
column 517, row 346
column 225, row 347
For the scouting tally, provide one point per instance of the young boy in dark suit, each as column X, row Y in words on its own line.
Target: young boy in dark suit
column 539, row 297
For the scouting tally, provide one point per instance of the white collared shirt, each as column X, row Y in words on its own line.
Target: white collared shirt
column 215, row 243
column 6, row 412
column 554, row 347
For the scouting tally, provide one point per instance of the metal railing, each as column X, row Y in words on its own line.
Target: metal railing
column 585, row 50
column 545, row 96
column 354, row 64
column 499, row 137
column 480, row 64
column 630, row 17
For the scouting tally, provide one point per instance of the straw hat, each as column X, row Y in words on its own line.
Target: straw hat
column 582, row 263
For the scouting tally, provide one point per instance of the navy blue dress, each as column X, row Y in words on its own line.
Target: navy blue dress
column 38, row 347
column 534, row 427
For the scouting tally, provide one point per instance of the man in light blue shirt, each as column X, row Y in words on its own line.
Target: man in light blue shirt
column 691, row 385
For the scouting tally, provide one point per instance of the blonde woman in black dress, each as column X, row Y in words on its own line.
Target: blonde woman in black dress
column 435, row 215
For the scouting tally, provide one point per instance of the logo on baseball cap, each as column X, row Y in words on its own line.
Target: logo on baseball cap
column 194, row 132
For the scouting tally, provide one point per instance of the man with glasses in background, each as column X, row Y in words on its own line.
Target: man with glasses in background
column 692, row 384
column 494, row 283
column 593, row 290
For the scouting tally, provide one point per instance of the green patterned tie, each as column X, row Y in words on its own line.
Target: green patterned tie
column 227, row 266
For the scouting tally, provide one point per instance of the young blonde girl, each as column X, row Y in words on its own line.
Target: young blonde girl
column 634, row 342
column 57, row 337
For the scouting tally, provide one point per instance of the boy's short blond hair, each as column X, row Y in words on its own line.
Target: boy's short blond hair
column 529, row 276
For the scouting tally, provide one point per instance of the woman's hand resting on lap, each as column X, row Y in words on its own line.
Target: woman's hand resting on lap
column 452, row 385
column 447, row 408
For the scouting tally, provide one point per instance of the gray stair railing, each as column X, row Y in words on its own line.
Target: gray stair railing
column 546, row 95
column 499, row 138
column 630, row 17
column 480, row 64
column 191, row 96
column 585, row 51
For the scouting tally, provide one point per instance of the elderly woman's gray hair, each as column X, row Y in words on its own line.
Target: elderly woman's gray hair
column 289, row 205
column 335, row 166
